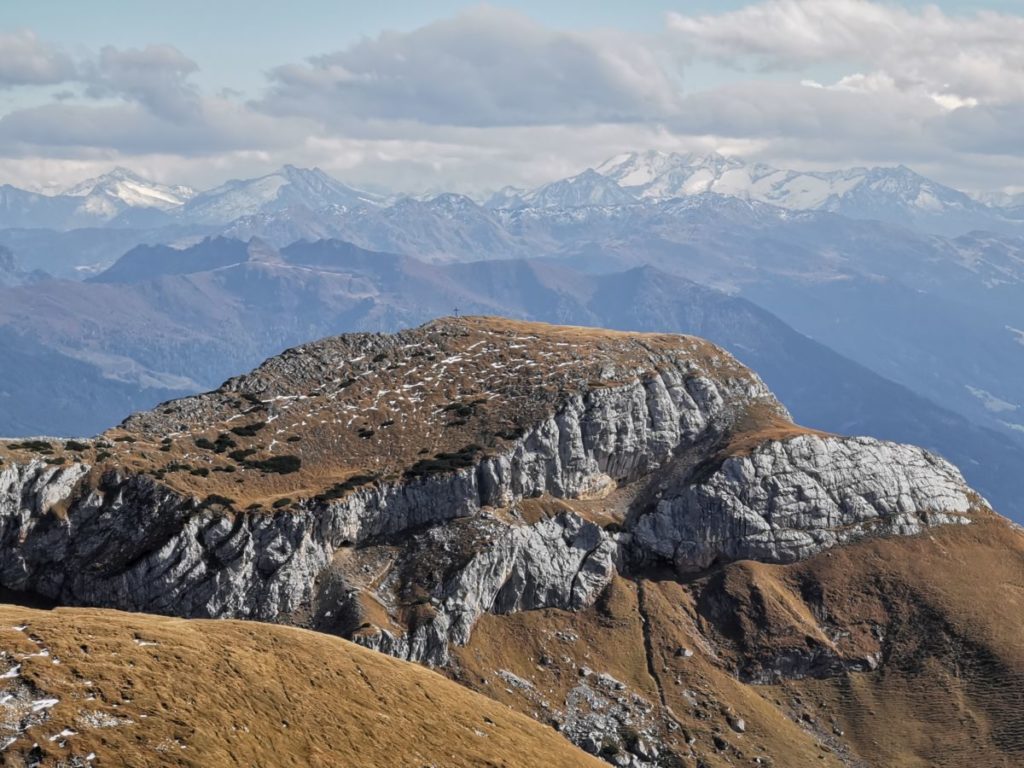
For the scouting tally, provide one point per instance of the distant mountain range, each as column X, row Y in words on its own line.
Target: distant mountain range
column 893, row 194
column 831, row 276
column 113, row 193
column 896, row 195
column 290, row 187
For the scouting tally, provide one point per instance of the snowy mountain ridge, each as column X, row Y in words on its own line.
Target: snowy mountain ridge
column 896, row 195
column 287, row 187
column 122, row 188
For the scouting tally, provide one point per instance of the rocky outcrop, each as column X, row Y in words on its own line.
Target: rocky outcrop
column 132, row 543
column 652, row 417
column 791, row 499
column 427, row 481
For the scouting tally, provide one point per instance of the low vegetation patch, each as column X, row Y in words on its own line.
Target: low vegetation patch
column 281, row 465
column 445, row 462
column 338, row 490
column 36, row 446
column 215, row 499
column 249, row 430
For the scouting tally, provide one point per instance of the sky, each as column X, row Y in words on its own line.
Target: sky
column 415, row 97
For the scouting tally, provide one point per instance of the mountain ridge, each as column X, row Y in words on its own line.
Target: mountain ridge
column 223, row 319
column 585, row 560
column 890, row 193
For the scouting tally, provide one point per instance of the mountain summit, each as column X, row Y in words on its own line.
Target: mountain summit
column 288, row 187
column 622, row 535
column 113, row 192
column 584, row 189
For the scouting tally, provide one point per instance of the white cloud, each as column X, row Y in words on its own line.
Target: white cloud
column 25, row 60
column 490, row 97
column 977, row 56
column 483, row 67
column 155, row 76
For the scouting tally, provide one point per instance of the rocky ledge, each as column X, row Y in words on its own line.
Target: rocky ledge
column 789, row 499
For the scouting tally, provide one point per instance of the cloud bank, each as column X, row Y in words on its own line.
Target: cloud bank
column 490, row 96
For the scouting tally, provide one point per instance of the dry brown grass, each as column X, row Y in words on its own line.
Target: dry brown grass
column 609, row 638
column 760, row 424
column 227, row 693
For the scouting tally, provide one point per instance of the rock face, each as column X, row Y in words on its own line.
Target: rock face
column 791, row 499
column 561, row 562
column 629, row 452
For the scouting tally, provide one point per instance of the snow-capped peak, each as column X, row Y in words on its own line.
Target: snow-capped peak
column 121, row 188
column 287, row 187
column 640, row 169
column 862, row 192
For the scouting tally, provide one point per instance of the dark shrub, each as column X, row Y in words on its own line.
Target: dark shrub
column 281, row 465
column 249, row 430
column 214, row 498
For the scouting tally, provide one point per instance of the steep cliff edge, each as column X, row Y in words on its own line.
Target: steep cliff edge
column 405, row 490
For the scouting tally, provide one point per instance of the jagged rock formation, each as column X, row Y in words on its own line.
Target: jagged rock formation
column 398, row 490
column 787, row 500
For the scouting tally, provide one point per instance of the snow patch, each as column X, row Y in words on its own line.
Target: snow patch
column 990, row 402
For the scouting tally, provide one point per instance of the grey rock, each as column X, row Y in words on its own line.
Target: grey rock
column 791, row 499
column 738, row 724
column 134, row 544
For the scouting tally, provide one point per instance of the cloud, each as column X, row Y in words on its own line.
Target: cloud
column 126, row 101
column 485, row 67
column 77, row 130
column 976, row 56
column 25, row 60
column 986, row 130
column 155, row 76
column 489, row 97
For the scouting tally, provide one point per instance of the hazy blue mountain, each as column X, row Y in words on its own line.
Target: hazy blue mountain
column 93, row 202
column 11, row 272
column 445, row 227
column 21, row 208
column 288, row 187
column 162, row 321
column 147, row 262
column 46, row 392
column 584, row 189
